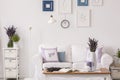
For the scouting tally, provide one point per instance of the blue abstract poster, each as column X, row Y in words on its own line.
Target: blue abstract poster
column 48, row 5
column 82, row 2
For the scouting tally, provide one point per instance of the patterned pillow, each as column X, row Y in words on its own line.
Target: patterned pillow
column 49, row 54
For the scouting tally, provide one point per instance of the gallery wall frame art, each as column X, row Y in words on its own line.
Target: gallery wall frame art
column 82, row 2
column 83, row 17
column 65, row 6
column 48, row 5
column 96, row 2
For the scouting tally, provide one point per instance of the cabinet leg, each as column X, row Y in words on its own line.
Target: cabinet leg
column 104, row 78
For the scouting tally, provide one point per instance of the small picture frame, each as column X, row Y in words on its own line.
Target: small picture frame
column 96, row 2
column 82, row 2
column 83, row 18
column 48, row 6
column 65, row 6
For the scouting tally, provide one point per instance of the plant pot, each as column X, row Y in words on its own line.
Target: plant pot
column 10, row 44
column 91, row 61
column 117, row 62
column 15, row 44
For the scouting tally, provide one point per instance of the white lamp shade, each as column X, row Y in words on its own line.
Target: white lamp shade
column 51, row 20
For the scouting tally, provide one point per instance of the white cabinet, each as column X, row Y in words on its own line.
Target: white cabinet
column 115, row 72
column 10, row 58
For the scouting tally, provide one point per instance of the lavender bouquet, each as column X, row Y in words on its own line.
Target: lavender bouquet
column 10, row 31
column 93, row 44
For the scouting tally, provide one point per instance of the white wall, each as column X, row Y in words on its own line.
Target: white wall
column 23, row 14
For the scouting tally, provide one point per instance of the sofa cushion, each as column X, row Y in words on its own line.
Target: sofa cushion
column 79, row 65
column 49, row 54
column 106, row 60
column 57, row 64
column 61, row 56
column 78, row 53
column 60, row 48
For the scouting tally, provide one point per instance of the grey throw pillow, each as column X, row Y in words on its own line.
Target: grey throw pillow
column 61, row 56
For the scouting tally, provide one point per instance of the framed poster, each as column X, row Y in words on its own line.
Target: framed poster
column 83, row 18
column 96, row 2
column 64, row 6
column 48, row 5
column 82, row 2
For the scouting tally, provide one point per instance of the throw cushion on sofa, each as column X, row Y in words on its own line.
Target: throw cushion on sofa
column 49, row 54
column 99, row 54
column 61, row 56
column 78, row 53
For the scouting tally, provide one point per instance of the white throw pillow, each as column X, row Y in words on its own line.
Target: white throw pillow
column 106, row 60
column 50, row 54
column 78, row 53
column 79, row 65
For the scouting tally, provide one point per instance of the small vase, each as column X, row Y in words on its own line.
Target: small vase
column 15, row 44
column 10, row 44
column 92, row 61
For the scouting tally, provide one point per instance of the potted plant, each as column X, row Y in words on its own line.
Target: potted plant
column 10, row 31
column 92, row 57
column 117, row 58
column 118, row 53
column 15, row 39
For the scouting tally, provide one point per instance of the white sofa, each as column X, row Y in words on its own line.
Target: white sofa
column 57, row 64
column 77, row 58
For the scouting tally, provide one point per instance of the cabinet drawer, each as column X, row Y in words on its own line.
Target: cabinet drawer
column 11, row 74
column 10, row 53
column 10, row 63
column 115, row 74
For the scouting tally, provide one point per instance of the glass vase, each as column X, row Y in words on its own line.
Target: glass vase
column 10, row 44
column 91, row 61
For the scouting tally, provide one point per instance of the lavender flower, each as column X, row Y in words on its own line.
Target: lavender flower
column 10, row 31
column 93, row 44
